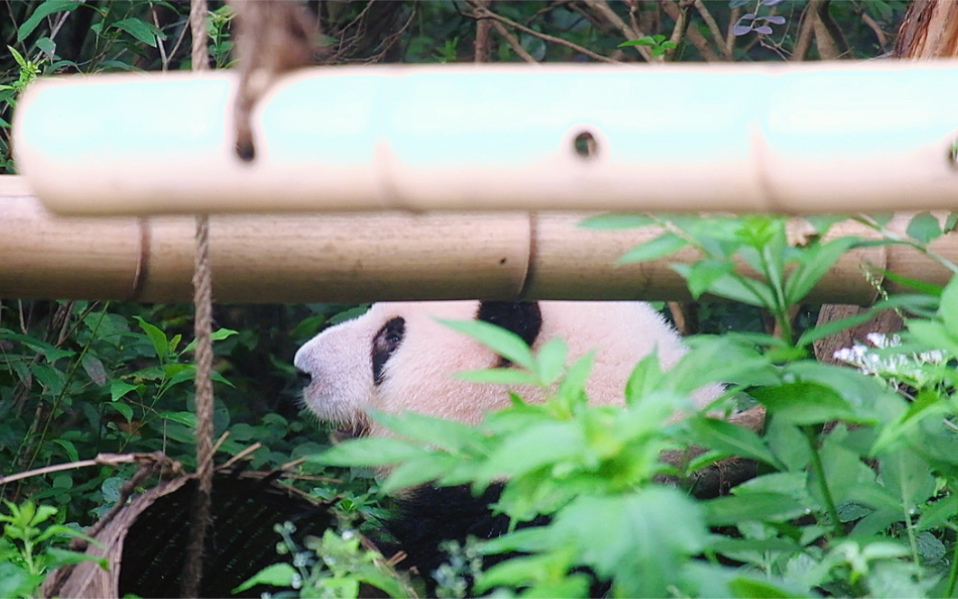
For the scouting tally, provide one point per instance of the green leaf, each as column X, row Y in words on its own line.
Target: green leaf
column 176, row 374
column 813, row 265
column 57, row 557
column 926, row 404
column 370, row 451
column 663, row 245
column 908, row 476
column 47, row 46
column 120, row 388
column 849, row 479
column 749, row 587
column 94, row 369
column 938, row 513
column 550, row 361
column 642, row 41
column 141, row 30
column 948, row 308
column 217, row 335
column 732, row 439
column 157, row 339
column 47, row 8
column 53, row 354
column 43, row 513
column 933, row 334
column 124, row 410
column 910, row 302
column 805, row 403
column 184, row 418
column 21, row 61
column 923, row 287
column 646, row 377
column 441, row 433
column 705, row 273
column 419, row 471
column 788, row 444
column 823, row 222
column 17, row 582
column 653, row 531
column 762, row 507
column 505, row 343
column 279, row 575
column 923, row 227
column 572, row 387
column 735, row 287
column 532, row 448
column 58, row 530
column 719, row 359
column 72, row 454
column 617, row 221
column 49, row 377
column 527, row 570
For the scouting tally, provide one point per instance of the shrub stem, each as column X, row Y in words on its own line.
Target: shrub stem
column 819, row 470
column 953, row 571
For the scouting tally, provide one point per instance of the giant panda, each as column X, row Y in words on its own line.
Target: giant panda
column 398, row 357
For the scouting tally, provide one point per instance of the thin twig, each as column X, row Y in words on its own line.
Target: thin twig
column 220, row 441
column 548, row 8
column 482, row 35
column 179, row 41
column 47, row 470
column 678, row 33
column 602, row 7
column 513, row 42
column 805, row 30
column 698, row 40
column 292, row 475
column 482, row 14
column 713, row 28
column 164, row 60
column 239, row 456
column 730, row 32
column 633, row 14
column 103, row 459
column 881, row 35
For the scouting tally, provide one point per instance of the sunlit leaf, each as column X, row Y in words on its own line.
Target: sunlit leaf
column 804, row 403
column 370, row 451
column 663, row 245
column 48, row 7
column 505, row 343
column 280, row 575
column 735, row 440
column 923, row 227
column 141, row 30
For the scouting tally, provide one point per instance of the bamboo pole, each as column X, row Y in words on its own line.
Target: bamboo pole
column 745, row 137
column 366, row 257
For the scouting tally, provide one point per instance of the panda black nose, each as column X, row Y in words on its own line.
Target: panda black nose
column 303, row 378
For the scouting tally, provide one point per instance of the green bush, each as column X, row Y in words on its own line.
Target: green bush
column 856, row 495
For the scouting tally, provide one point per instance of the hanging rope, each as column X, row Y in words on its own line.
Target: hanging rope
column 203, row 306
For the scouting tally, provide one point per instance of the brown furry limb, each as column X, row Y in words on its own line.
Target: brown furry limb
column 270, row 39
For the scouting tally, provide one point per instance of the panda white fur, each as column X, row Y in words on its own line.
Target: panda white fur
column 397, row 357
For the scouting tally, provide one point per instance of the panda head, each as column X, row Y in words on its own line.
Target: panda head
column 398, row 357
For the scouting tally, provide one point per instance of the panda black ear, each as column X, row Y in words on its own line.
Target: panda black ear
column 522, row 318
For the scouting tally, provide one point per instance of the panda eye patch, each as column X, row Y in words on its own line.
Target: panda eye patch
column 384, row 344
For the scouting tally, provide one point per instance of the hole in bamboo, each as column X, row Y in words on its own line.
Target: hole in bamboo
column 585, row 145
column 953, row 154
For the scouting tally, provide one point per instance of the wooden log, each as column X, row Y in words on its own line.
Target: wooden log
column 375, row 256
column 745, row 137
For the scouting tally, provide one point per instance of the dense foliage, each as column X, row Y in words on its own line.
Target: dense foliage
column 861, row 506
